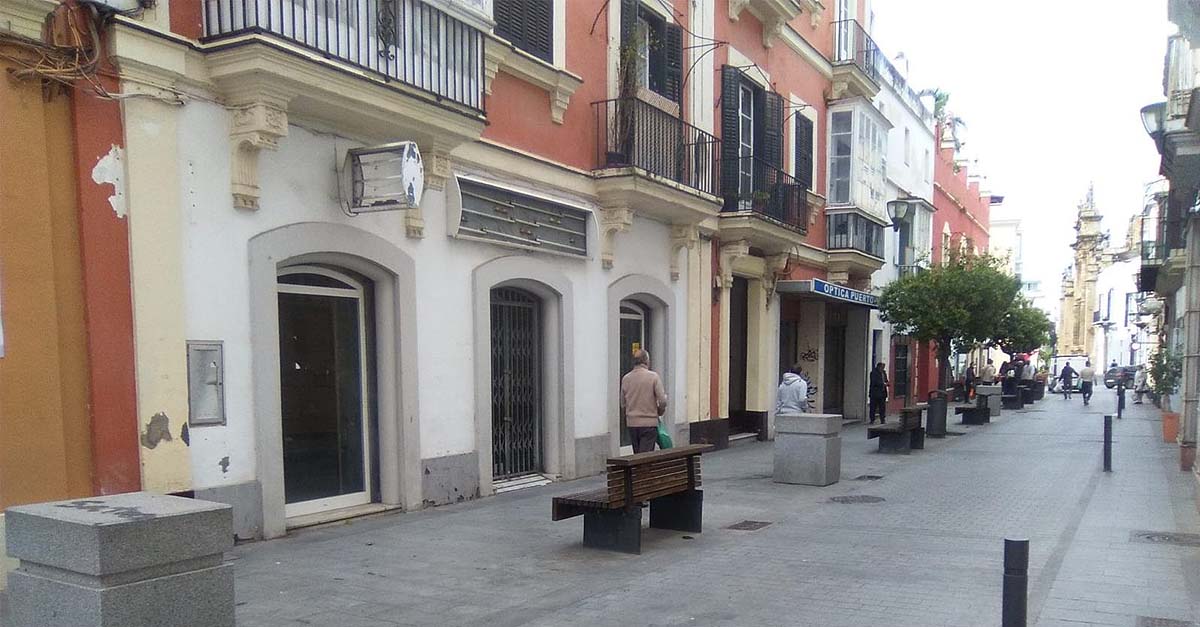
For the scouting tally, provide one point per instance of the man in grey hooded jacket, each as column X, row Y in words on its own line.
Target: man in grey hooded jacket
column 793, row 394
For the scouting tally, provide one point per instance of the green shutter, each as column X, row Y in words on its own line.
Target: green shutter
column 673, row 56
column 804, row 151
column 731, row 80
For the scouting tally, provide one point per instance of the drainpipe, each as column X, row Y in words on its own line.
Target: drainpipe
column 1191, row 353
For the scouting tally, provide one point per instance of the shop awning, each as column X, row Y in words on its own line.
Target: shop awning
column 828, row 291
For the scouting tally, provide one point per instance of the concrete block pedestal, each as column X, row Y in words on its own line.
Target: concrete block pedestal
column 127, row 560
column 808, row 449
column 992, row 392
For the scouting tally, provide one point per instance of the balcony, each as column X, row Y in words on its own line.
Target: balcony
column 650, row 160
column 769, row 209
column 398, row 40
column 855, row 244
column 855, row 61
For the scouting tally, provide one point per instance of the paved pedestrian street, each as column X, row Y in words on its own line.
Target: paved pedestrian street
column 928, row 553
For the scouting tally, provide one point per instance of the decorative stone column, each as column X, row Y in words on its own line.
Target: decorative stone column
column 120, row 561
column 808, row 449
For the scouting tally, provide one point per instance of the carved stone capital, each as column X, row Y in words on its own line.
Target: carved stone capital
column 255, row 126
column 771, row 29
column 612, row 221
column 682, row 236
column 728, row 254
column 776, row 266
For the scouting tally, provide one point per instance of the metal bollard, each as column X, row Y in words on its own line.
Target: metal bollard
column 1107, row 443
column 1120, row 397
column 1014, row 612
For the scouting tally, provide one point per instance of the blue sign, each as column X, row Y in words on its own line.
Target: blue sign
column 838, row 292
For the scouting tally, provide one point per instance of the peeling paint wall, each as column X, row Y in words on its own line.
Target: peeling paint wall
column 110, row 170
column 155, row 241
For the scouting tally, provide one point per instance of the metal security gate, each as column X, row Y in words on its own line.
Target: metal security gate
column 516, row 383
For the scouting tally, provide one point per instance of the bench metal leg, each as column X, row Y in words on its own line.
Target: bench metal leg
column 897, row 443
column 679, row 512
column 614, row 529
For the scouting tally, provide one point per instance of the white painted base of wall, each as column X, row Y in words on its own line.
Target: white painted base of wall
column 6, row 564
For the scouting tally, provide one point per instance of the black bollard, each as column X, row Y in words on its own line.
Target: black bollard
column 1107, row 443
column 1120, row 397
column 1014, row 612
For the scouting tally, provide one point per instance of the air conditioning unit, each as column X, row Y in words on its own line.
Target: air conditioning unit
column 390, row 177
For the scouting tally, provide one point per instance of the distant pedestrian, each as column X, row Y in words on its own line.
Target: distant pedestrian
column 644, row 400
column 1087, row 379
column 792, row 397
column 988, row 374
column 1141, row 384
column 1067, row 376
column 969, row 381
column 877, row 392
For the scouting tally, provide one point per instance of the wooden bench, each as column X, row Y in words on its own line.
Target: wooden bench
column 902, row 436
column 612, row 516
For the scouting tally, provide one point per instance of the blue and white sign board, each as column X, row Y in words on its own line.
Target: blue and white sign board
column 831, row 291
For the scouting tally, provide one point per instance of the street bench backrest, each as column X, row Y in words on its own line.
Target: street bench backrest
column 645, row 476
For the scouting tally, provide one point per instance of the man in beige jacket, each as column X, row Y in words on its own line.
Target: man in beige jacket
column 643, row 400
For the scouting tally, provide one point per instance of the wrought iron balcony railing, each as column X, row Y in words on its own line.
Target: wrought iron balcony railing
column 852, row 44
column 769, row 192
column 634, row 133
column 404, row 40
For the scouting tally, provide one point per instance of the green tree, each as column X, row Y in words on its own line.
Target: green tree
column 1023, row 329
column 961, row 302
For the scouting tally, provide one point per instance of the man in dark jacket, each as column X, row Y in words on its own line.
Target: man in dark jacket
column 878, row 393
column 1067, row 376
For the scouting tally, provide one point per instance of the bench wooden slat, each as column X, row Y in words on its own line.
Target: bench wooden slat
column 638, row 459
column 678, row 481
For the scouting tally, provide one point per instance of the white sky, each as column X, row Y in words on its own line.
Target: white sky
column 1050, row 92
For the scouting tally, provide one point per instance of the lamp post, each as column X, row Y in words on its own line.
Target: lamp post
column 898, row 210
column 1153, row 120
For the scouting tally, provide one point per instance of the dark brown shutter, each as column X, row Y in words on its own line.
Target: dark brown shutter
column 772, row 149
column 731, row 80
column 804, row 151
column 627, row 57
column 673, row 55
column 528, row 24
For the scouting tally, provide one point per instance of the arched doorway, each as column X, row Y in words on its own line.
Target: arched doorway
column 634, row 333
column 325, row 369
column 516, row 346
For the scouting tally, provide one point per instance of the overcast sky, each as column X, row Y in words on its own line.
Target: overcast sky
column 1050, row 92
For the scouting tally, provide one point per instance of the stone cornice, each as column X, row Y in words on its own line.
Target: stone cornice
column 559, row 84
column 25, row 17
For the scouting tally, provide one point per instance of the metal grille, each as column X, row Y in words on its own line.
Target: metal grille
column 1162, row 537
column 857, row 498
column 516, row 383
column 748, row 525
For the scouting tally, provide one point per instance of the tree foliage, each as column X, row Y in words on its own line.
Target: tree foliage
column 959, row 303
column 1023, row 329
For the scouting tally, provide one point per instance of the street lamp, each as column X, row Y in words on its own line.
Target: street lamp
column 898, row 211
column 1153, row 119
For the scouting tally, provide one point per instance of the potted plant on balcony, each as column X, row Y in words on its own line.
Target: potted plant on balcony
column 1166, row 369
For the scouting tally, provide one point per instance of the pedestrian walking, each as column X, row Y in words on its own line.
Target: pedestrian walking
column 643, row 400
column 1087, row 379
column 969, row 381
column 792, row 397
column 1067, row 376
column 877, row 393
column 1141, row 384
column 988, row 374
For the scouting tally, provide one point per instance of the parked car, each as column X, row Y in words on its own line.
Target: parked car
column 1120, row 372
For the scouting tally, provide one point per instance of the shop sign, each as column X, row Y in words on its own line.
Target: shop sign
column 838, row 292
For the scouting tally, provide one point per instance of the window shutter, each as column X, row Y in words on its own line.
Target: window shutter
column 804, row 151
column 528, row 24
column 627, row 57
column 772, row 129
column 731, row 79
column 673, row 55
